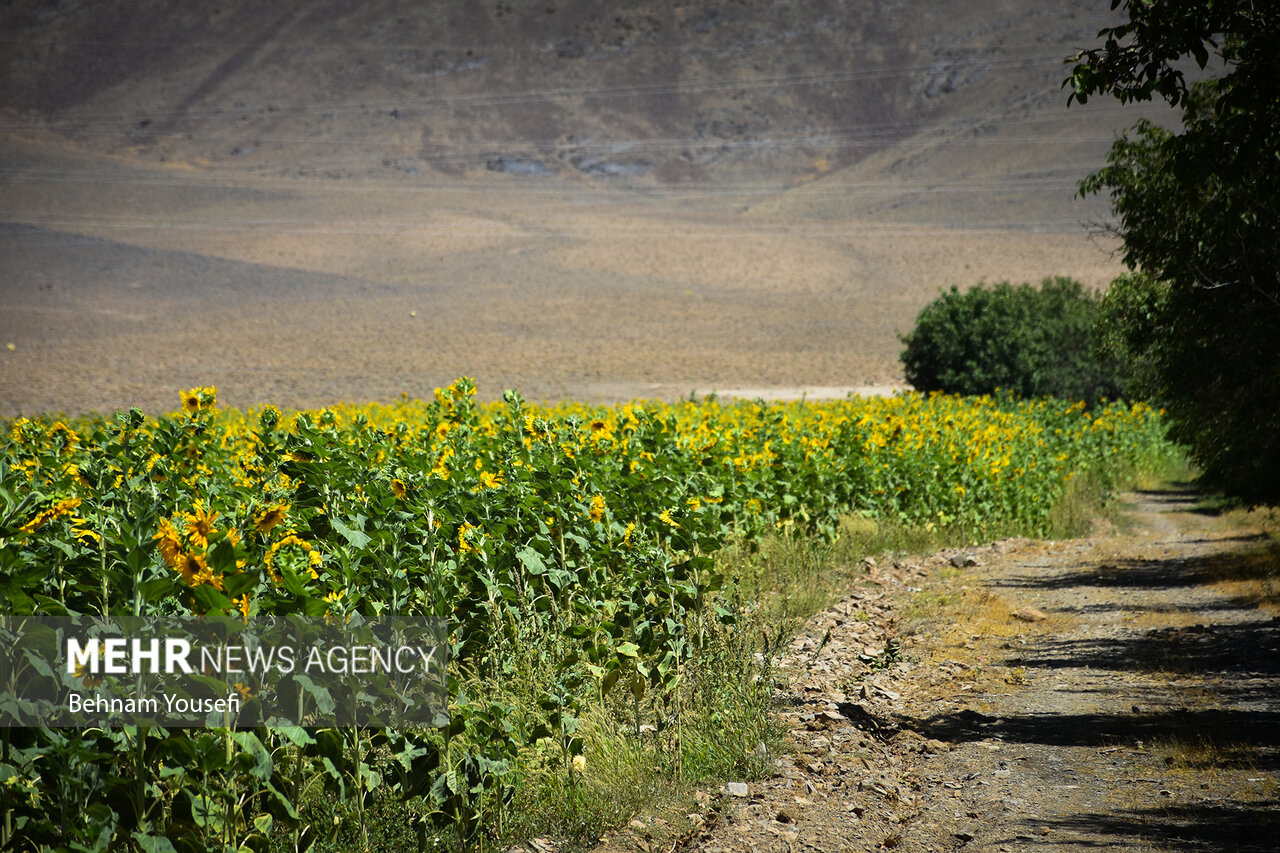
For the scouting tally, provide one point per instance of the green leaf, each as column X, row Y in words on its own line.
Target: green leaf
column 239, row 583
column 355, row 538
column 296, row 735
column 222, row 558
column 155, row 589
column 249, row 742
column 153, row 843
column 320, row 695
column 531, row 560
column 206, row 810
column 207, row 599
column 289, row 808
column 369, row 779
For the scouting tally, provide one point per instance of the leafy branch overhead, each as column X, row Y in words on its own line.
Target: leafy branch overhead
column 1140, row 58
column 1198, row 211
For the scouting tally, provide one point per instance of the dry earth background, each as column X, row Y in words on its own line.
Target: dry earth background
column 305, row 202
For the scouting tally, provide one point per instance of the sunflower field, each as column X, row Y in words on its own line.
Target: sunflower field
column 571, row 551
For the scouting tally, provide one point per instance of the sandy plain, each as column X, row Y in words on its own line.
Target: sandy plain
column 125, row 281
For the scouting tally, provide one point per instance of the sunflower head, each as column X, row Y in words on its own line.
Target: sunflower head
column 200, row 525
column 464, row 544
column 169, row 542
column 489, row 480
column 243, row 604
column 265, row 520
column 192, row 567
column 296, row 554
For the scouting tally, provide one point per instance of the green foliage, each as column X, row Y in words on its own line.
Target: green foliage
column 1199, row 212
column 594, row 622
column 1029, row 341
column 1126, row 329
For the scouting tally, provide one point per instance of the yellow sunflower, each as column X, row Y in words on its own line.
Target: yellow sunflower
column 170, row 543
column 200, row 525
column 489, row 480
column 600, row 430
column 597, row 508
column 463, row 545
column 192, row 567
column 242, row 604
column 313, row 558
column 61, row 508
column 266, row 519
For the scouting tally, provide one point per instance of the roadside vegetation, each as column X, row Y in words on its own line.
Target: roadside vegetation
column 1023, row 340
column 615, row 584
column 1197, row 322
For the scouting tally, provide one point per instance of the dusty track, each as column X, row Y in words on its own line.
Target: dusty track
column 1142, row 714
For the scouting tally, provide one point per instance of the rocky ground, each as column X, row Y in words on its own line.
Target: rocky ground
column 1115, row 692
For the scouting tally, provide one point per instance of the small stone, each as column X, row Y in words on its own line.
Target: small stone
column 965, row 834
column 1029, row 614
column 964, row 561
column 736, row 789
column 888, row 694
column 639, row 825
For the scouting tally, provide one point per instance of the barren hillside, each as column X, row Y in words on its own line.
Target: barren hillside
column 305, row 201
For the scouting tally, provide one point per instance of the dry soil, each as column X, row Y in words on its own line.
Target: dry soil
column 1112, row 693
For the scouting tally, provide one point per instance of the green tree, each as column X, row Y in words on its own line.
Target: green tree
column 1199, row 213
column 1030, row 341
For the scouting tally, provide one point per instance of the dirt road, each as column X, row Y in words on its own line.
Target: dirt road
column 1116, row 692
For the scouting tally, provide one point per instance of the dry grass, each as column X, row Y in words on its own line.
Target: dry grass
column 1250, row 575
column 1228, row 768
column 968, row 622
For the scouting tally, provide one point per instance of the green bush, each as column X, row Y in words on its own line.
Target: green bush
column 1029, row 341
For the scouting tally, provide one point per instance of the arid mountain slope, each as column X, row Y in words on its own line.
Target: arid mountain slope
column 669, row 92
column 578, row 198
